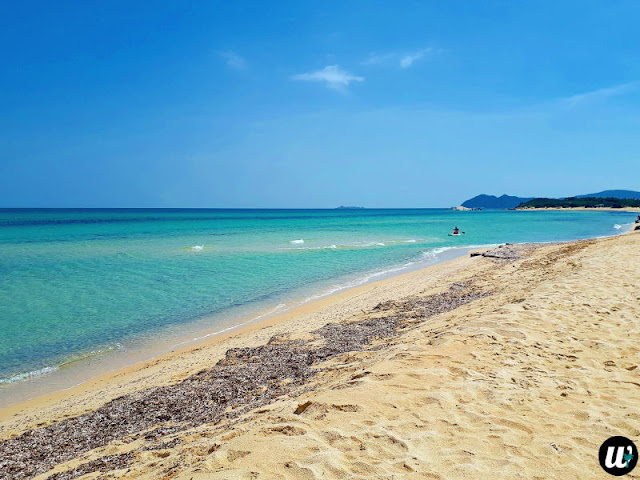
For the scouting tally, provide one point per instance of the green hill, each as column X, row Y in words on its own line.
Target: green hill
column 576, row 202
column 491, row 201
column 613, row 193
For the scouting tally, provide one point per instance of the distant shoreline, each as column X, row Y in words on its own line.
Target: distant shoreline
column 582, row 209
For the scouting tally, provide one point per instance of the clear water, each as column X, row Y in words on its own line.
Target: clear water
column 77, row 282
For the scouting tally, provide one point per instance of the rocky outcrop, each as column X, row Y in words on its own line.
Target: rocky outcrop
column 507, row 252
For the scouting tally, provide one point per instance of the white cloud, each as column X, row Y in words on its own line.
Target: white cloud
column 409, row 58
column 402, row 59
column 380, row 59
column 332, row 75
column 601, row 93
column 234, row 60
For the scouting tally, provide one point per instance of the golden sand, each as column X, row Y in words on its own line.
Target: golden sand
column 525, row 383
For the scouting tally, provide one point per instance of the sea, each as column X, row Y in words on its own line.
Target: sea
column 94, row 287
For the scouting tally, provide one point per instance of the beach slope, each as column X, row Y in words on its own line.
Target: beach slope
column 518, row 364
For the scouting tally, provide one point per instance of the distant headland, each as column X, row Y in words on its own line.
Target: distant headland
column 493, row 202
column 604, row 199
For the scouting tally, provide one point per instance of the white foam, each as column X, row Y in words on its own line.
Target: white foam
column 434, row 252
column 278, row 309
column 342, row 246
column 24, row 376
column 412, row 240
column 624, row 226
column 429, row 255
column 197, row 248
column 46, row 370
column 357, row 245
column 363, row 245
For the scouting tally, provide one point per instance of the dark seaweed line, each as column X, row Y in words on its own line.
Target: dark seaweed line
column 246, row 377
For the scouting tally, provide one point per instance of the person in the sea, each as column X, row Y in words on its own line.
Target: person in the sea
column 455, row 231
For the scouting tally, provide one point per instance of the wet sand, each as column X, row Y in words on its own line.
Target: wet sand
column 504, row 366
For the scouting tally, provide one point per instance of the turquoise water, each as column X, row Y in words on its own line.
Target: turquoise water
column 74, row 283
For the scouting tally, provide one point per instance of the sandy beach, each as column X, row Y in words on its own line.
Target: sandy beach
column 235, row 243
column 517, row 364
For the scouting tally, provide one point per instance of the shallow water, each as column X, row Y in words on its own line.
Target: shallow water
column 77, row 283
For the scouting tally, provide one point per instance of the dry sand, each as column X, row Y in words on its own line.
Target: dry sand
column 524, row 381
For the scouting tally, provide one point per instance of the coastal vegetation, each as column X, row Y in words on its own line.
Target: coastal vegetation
column 508, row 201
column 614, row 193
column 575, row 202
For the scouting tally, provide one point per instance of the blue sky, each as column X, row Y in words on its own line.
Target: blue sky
column 315, row 104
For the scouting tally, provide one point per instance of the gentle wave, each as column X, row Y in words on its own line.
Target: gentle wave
column 342, row 246
column 278, row 309
column 425, row 258
column 26, row 375
column 434, row 252
column 624, row 226
column 50, row 369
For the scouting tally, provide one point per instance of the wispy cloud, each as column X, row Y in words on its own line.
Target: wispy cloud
column 380, row 59
column 332, row 76
column 408, row 59
column 599, row 94
column 234, row 60
column 401, row 59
